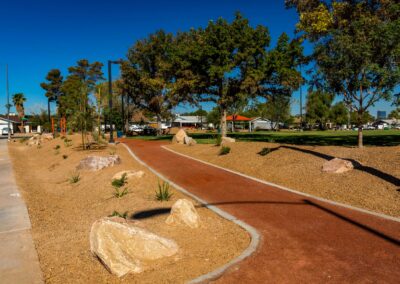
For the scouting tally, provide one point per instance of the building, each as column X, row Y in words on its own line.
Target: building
column 189, row 121
column 380, row 115
column 259, row 123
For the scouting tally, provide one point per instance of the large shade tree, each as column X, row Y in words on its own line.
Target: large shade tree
column 52, row 88
column 356, row 48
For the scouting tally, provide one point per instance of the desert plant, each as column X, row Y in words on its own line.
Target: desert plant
column 65, row 156
column 264, row 151
column 74, row 177
column 67, row 142
column 224, row 150
column 163, row 193
column 218, row 140
column 57, row 147
column 117, row 214
column 119, row 182
column 120, row 193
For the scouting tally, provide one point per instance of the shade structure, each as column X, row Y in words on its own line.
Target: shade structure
column 237, row 117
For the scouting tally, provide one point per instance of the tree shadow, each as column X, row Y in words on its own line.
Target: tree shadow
column 304, row 202
column 357, row 165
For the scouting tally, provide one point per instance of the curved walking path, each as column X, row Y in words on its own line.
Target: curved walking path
column 303, row 239
column 18, row 257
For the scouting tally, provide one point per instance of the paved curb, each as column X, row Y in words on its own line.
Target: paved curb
column 255, row 236
column 288, row 189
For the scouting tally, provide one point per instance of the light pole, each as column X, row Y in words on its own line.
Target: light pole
column 8, row 105
column 110, row 101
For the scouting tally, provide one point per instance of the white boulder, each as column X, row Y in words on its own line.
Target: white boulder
column 95, row 163
column 129, row 174
column 179, row 137
column 126, row 247
column 337, row 166
column 183, row 212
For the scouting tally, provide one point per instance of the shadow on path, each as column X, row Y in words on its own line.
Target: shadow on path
column 163, row 211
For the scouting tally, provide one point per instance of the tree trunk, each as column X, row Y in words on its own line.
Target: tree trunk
column 223, row 123
column 48, row 109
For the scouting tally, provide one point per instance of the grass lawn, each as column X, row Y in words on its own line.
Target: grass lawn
column 320, row 138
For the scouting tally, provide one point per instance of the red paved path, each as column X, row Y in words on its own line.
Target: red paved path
column 303, row 240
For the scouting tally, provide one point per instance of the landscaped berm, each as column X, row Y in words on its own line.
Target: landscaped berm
column 70, row 198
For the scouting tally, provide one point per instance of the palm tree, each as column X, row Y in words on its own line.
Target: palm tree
column 18, row 101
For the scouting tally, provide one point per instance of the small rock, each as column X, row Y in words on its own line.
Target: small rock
column 129, row 174
column 184, row 212
column 179, row 137
column 95, row 163
column 125, row 247
column 228, row 140
column 337, row 166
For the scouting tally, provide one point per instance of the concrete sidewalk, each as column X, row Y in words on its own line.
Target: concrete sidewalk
column 18, row 258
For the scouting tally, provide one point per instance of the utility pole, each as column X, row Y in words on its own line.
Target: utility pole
column 110, row 98
column 8, row 105
column 301, row 103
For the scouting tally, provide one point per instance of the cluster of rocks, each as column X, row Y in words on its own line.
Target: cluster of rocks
column 38, row 139
column 125, row 246
column 182, row 138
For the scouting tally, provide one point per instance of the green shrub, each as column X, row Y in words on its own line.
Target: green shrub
column 67, row 142
column 117, row 214
column 65, row 157
column 163, row 193
column 264, row 151
column 119, row 193
column 75, row 177
column 218, row 140
column 224, row 150
column 119, row 182
column 57, row 147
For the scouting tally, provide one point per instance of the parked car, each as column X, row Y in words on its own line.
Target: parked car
column 5, row 131
column 136, row 128
column 148, row 130
column 370, row 127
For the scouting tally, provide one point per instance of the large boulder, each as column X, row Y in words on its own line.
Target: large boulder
column 183, row 212
column 129, row 174
column 337, row 166
column 95, row 163
column 190, row 141
column 179, row 137
column 126, row 247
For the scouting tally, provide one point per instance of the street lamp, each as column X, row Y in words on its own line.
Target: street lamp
column 110, row 102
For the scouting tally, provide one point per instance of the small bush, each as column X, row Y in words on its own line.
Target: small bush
column 218, row 140
column 224, row 150
column 65, row 157
column 117, row 214
column 119, row 182
column 120, row 193
column 75, row 177
column 264, row 151
column 163, row 193
column 67, row 142
column 23, row 140
column 57, row 147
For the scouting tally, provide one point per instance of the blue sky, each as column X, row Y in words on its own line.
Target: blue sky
column 39, row 35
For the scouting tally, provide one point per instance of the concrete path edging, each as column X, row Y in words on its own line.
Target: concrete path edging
column 288, row 189
column 255, row 236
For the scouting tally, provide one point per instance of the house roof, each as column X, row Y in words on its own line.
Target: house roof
column 237, row 117
column 259, row 119
column 13, row 118
column 190, row 119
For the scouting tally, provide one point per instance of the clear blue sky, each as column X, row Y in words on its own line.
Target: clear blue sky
column 39, row 35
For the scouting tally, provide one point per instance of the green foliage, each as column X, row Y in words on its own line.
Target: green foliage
column 18, row 101
column 65, row 156
column 52, row 88
column 163, row 193
column 265, row 151
column 120, row 182
column 318, row 107
column 74, row 177
column 224, row 150
column 394, row 114
column 67, row 142
column 118, row 193
column 121, row 215
column 57, row 147
column 339, row 114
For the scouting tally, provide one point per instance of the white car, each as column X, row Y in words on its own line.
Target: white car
column 136, row 128
column 4, row 131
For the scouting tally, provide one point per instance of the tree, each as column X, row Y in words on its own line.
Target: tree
column 339, row 114
column 18, row 101
column 222, row 63
column 79, row 84
column 52, row 88
column 318, row 107
column 394, row 114
column 356, row 48
column 148, row 78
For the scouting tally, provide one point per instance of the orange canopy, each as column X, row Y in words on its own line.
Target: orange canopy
column 237, row 117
